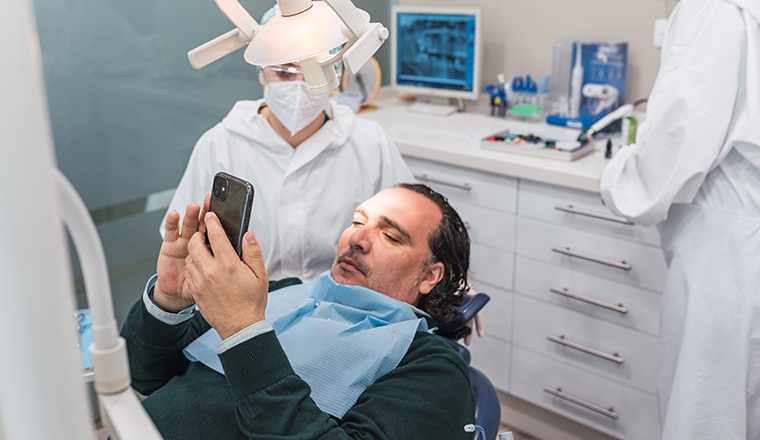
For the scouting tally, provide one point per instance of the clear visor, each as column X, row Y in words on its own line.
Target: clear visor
column 281, row 73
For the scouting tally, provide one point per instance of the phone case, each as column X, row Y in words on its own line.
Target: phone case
column 233, row 207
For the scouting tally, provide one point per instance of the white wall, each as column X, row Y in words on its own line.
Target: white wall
column 518, row 34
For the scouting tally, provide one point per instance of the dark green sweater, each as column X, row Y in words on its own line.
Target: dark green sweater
column 428, row 396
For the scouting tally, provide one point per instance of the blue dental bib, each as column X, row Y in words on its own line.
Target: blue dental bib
column 339, row 339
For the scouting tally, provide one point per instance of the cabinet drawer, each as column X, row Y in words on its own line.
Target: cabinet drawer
column 637, row 410
column 593, row 253
column 616, row 352
column 491, row 266
column 634, row 307
column 478, row 187
column 583, row 209
column 497, row 314
column 486, row 226
column 492, row 357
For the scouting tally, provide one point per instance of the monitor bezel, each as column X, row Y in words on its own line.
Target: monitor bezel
column 432, row 91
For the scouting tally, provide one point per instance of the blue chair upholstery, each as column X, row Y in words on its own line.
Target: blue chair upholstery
column 487, row 406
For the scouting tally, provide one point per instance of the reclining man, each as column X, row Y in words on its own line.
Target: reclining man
column 345, row 356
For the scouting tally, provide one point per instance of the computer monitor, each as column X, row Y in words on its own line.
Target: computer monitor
column 435, row 51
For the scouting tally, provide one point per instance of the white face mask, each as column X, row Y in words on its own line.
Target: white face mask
column 293, row 104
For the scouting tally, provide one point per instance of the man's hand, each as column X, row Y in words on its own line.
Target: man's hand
column 171, row 292
column 231, row 294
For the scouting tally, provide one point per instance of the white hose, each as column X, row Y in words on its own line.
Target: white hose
column 77, row 218
column 109, row 354
column 123, row 414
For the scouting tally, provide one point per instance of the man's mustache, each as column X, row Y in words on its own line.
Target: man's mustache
column 352, row 254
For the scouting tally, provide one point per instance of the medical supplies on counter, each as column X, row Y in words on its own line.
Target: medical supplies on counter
column 522, row 99
column 588, row 81
column 539, row 140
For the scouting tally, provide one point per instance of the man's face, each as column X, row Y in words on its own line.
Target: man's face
column 386, row 247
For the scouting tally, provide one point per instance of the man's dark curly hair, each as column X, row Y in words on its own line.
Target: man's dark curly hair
column 449, row 244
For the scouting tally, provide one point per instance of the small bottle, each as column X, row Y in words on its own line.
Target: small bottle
column 628, row 131
column 608, row 149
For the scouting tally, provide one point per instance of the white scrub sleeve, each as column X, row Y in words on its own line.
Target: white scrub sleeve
column 688, row 115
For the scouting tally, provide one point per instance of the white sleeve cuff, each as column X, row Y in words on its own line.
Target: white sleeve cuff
column 247, row 333
column 161, row 315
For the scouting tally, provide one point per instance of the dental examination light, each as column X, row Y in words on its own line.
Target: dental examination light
column 303, row 32
column 42, row 392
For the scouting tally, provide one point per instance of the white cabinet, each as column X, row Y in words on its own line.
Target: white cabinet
column 588, row 398
column 575, row 297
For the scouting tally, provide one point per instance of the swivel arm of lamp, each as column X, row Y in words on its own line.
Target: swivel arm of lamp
column 285, row 39
column 245, row 29
column 125, row 418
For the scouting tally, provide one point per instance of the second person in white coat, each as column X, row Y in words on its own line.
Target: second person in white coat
column 695, row 170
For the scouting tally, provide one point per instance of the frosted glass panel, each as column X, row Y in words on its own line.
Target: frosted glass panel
column 127, row 108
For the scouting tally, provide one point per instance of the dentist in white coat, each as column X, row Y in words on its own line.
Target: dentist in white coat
column 311, row 162
column 695, row 169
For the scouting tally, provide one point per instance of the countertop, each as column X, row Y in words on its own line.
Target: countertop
column 455, row 140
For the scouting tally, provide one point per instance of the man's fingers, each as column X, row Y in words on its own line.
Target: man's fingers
column 220, row 244
column 190, row 223
column 252, row 256
column 172, row 226
column 206, row 204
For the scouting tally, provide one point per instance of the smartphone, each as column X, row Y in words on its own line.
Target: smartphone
column 232, row 201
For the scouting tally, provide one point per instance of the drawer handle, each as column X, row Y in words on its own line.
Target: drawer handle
column 599, row 215
column 426, row 178
column 562, row 341
column 588, row 405
column 572, row 253
column 617, row 308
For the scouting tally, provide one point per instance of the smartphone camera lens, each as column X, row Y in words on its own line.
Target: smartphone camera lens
column 220, row 188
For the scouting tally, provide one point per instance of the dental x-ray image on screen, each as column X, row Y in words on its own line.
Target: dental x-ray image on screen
column 436, row 50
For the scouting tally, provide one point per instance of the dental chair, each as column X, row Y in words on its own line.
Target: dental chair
column 487, row 406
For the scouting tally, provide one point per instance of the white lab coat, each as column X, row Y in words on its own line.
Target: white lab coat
column 304, row 197
column 695, row 167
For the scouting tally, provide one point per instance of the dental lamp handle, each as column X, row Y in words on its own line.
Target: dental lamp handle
column 349, row 15
column 233, row 40
column 374, row 34
column 239, row 17
column 220, row 46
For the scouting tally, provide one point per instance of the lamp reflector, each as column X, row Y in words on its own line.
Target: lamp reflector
column 290, row 39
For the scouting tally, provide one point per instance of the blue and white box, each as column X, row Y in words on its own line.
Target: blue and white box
column 604, row 85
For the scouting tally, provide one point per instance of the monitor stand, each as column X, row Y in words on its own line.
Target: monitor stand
column 436, row 106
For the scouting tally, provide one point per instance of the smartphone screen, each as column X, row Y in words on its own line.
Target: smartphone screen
column 232, row 201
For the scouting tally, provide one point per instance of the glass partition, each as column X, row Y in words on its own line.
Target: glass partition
column 127, row 108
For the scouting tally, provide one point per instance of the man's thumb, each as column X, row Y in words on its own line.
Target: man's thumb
column 252, row 254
